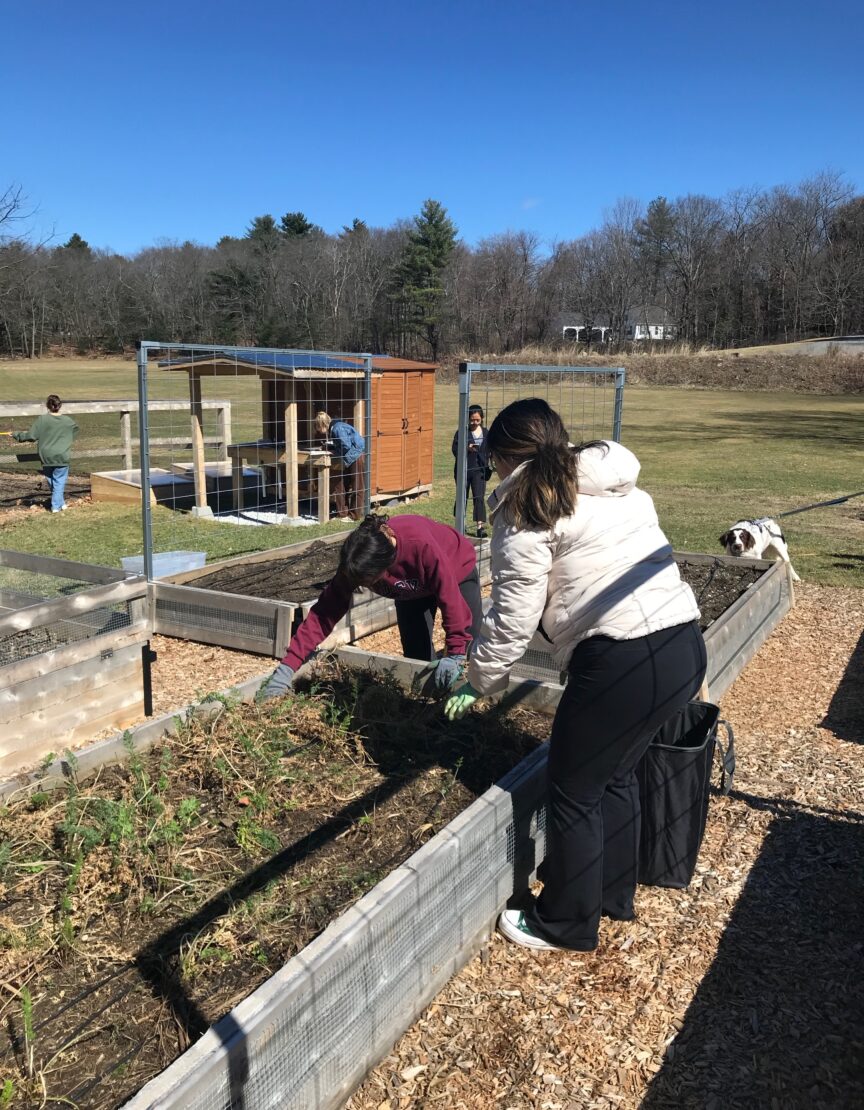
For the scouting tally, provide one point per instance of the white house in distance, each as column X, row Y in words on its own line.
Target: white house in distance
column 642, row 322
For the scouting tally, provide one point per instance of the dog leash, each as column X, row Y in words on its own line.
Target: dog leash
column 820, row 505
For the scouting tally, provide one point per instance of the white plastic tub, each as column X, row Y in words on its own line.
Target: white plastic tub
column 165, row 562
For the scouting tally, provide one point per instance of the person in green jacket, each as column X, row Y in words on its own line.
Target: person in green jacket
column 53, row 434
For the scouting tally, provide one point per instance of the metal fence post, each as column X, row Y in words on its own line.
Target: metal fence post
column 461, row 444
column 144, row 458
column 620, row 375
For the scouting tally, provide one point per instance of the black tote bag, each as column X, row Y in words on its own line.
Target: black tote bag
column 674, row 783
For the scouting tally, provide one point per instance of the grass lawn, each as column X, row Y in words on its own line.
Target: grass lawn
column 708, row 458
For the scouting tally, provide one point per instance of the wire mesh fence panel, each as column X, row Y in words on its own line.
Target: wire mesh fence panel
column 588, row 400
column 237, row 443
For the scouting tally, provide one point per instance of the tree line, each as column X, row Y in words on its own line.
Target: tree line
column 751, row 267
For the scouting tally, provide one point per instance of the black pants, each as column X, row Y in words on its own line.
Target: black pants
column 618, row 694
column 417, row 618
column 475, row 487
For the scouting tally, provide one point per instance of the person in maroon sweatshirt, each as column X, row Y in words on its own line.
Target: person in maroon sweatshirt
column 424, row 566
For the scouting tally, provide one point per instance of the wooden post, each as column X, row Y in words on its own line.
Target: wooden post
column 292, row 469
column 197, row 441
column 324, row 491
column 126, row 438
column 223, row 423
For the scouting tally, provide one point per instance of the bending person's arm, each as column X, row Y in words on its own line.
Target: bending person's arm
column 330, row 607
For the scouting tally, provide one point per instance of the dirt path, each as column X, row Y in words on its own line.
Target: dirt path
column 743, row 991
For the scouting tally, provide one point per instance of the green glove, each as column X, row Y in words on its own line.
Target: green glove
column 458, row 704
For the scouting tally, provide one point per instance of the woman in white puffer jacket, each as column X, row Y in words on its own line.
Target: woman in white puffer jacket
column 577, row 551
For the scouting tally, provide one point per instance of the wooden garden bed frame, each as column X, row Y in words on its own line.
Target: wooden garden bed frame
column 93, row 682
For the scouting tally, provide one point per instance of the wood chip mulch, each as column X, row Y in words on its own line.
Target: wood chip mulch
column 742, row 991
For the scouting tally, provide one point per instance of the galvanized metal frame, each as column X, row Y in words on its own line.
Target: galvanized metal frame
column 468, row 369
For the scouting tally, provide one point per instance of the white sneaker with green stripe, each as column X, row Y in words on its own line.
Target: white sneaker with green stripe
column 513, row 926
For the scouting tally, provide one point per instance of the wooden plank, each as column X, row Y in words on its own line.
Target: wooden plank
column 58, row 686
column 223, row 424
column 39, row 737
column 220, row 637
column 62, row 568
column 10, row 409
column 197, row 421
column 187, row 577
column 68, row 654
column 126, row 438
column 61, row 608
column 292, row 471
column 215, row 599
column 116, row 491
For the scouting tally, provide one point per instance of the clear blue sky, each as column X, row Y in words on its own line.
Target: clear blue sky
column 133, row 123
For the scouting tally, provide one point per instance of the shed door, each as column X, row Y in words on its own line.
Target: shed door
column 427, row 427
column 411, row 449
column 389, row 433
column 391, row 405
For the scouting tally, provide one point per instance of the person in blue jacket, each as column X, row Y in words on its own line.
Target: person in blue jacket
column 348, row 467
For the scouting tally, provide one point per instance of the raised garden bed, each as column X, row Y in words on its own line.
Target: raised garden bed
column 143, row 904
column 253, row 602
column 71, row 643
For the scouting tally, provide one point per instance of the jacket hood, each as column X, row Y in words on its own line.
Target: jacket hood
column 607, row 470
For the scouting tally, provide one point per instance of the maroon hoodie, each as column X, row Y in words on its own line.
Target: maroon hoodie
column 431, row 560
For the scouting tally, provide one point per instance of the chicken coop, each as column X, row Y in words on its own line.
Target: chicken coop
column 390, row 401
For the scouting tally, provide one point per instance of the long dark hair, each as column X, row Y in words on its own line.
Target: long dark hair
column 53, row 403
column 545, row 490
column 368, row 551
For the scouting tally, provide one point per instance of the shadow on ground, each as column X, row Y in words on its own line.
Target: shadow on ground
column 778, row 1021
column 845, row 716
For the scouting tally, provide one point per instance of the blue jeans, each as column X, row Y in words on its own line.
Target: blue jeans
column 56, row 476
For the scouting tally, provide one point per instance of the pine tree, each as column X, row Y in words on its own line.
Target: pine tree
column 294, row 225
column 77, row 244
column 419, row 277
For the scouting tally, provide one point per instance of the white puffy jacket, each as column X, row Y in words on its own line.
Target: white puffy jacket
column 607, row 570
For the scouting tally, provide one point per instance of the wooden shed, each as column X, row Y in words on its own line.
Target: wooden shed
column 294, row 386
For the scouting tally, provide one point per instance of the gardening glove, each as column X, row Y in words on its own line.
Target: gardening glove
column 448, row 671
column 277, row 685
column 458, row 704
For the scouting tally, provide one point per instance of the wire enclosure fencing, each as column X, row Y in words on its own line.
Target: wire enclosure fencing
column 234, row 436
column 589, row 400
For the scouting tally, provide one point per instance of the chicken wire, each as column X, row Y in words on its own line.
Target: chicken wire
column 21, row 589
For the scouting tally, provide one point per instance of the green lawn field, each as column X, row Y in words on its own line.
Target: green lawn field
column 708, row 458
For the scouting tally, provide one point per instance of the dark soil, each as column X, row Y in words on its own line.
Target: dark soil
column 32, row 489
column 139, row 908
column 299, row 577
column 302, row 577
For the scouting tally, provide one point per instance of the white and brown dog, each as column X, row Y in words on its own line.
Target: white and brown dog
column 758, row 539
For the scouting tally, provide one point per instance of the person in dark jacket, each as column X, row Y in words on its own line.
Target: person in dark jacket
column 53, row 433
column 423, row 566
column 347, row 447
column 477, row 470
